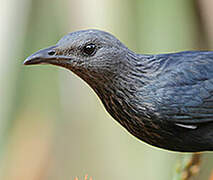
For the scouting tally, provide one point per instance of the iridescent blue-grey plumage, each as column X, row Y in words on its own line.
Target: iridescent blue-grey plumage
column 165, row 100
column 180, row 93
column 184, row 90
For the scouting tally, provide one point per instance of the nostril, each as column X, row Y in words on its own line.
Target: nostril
column 51, row 52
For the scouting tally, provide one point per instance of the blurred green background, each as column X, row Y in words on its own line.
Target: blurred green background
column 52, row 125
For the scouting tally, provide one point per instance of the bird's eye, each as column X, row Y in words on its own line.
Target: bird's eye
column 51, row 52
column 89, row 49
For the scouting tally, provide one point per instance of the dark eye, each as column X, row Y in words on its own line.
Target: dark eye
column 89, row 49
column 51, row 52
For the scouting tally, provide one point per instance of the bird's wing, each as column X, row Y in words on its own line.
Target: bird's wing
column 184, row 90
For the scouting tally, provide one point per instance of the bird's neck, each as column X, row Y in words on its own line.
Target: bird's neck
column 123, row 94
column 127, row 108
column 120, row 88
column 120, row 94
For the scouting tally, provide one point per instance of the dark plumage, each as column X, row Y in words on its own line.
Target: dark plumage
column 165, row 100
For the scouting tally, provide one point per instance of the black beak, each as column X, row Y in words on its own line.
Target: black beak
column 44, row 56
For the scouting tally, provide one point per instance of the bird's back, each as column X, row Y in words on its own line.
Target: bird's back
column 180, row 93
column 184, row 84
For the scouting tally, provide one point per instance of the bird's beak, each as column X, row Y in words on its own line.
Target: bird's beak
column 43, row 56
column 46, row 56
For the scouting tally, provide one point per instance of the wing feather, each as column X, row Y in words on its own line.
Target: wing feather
column 183, row 91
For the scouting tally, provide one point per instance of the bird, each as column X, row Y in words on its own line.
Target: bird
column 165, row 100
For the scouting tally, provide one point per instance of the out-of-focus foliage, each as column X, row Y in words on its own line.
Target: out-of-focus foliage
column 52, row 125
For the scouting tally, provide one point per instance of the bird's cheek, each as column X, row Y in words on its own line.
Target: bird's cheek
column 76, row 65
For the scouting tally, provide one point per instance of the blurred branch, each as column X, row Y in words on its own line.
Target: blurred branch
column 204, row 11
column 211, row 177
column 189, row 167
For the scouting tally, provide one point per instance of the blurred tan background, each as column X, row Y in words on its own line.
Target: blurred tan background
column 52, row 125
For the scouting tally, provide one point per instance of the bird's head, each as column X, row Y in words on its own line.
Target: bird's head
column 91, row 54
